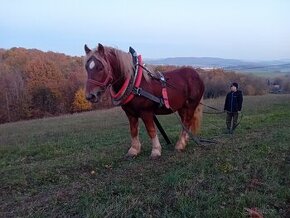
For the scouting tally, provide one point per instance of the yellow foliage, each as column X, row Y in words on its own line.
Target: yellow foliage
column 80, row 103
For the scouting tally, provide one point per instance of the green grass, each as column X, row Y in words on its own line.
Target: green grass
column 74, row 166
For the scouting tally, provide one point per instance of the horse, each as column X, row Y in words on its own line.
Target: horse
column 112, row 68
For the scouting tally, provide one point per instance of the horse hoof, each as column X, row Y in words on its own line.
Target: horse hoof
column 155, row 157
column 132, row 152
column 179, row 150
column 130, row 156
column 155, row 154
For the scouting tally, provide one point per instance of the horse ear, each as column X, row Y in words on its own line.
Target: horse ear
column 101, row 48
column 87, row 50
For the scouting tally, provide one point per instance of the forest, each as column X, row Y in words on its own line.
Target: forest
column 36, row 84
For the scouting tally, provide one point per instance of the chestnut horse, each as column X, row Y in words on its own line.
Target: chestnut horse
column 110, row 67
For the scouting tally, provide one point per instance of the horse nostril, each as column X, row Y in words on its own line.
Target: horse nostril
column 90, row 97
column 99, row 94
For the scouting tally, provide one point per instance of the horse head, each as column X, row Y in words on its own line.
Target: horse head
column 99, row 73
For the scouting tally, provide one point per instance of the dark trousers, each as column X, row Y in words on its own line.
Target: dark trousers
column 232, row 117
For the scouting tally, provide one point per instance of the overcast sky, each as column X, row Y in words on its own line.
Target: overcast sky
column 242, row 29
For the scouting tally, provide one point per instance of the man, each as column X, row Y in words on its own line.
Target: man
column 233, row 104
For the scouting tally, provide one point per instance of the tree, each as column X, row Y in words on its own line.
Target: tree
column 44, row 101
column 80, row 103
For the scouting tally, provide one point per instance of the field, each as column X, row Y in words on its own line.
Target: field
column 74, row 165
column 269, row 75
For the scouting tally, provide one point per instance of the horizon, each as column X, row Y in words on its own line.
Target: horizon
column 161, row 58
column 240, row 30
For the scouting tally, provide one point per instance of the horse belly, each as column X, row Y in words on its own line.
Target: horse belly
column 163, row 111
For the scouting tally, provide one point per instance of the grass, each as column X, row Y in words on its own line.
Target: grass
column 73, row 166
column 268, row 74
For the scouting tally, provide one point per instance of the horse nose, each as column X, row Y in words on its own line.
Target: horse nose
column 91, row 97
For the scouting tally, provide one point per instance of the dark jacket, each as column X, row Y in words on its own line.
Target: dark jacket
column 234, row 101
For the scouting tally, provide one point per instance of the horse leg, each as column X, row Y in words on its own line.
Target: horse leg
column 135, row 142
column 151, row 129
column 196, row 119
column 186, row 115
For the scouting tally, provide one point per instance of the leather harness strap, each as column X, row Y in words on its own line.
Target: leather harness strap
column 131, row 86
column 137, row 82
column 164, row 90
column 142, row 92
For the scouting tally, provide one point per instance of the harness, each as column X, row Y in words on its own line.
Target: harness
column 131, row 86
column 125, row 94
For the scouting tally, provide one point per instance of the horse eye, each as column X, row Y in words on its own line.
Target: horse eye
column 99, row 66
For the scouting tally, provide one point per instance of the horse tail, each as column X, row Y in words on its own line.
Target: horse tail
column 197, row 118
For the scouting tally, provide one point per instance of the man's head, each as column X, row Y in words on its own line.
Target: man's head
column 234, row 87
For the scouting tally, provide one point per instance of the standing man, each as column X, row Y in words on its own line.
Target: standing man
column 233, row 104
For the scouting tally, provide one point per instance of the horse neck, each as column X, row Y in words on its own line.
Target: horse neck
column 121, row 64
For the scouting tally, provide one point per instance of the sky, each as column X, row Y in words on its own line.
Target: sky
column 239, row 29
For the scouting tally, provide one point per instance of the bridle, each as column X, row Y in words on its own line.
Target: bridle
column 108, row 80
column 103, row 85
column 127, row 91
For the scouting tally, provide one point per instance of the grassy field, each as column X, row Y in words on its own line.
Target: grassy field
column 268, row 74
column 74, row 166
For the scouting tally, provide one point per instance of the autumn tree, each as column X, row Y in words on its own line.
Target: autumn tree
column 36, row 84
column 13, row 98
column 80, row 103
column 44, row 102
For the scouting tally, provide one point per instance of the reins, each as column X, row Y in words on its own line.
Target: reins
column 155, row 77
column 213, row 108
column 193, row 137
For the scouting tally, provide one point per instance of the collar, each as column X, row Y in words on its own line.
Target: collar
column 125, row 94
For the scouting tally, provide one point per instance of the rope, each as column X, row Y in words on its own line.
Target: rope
column 190, row 134
column 213, row 108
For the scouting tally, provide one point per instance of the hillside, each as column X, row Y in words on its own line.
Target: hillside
column 74, row 165
column 37, row 84
column 279, row 66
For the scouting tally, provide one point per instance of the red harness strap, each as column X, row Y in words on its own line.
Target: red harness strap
column 137, row 82
column 165, row 97
column 123, row 91
column 164, row 90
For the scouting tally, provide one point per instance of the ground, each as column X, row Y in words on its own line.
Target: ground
column 74, row 165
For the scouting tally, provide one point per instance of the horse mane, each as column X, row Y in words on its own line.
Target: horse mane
column 125, row 63
column 120, row 60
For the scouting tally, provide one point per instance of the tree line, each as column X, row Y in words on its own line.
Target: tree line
column 37, row 84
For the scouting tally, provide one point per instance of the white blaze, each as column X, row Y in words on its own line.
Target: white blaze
column 92, row 64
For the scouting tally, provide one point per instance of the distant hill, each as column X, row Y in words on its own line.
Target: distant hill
column 198, row 62
column 282, row 66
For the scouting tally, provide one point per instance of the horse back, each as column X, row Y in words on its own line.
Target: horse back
column 184, row 87
column 186, row 81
